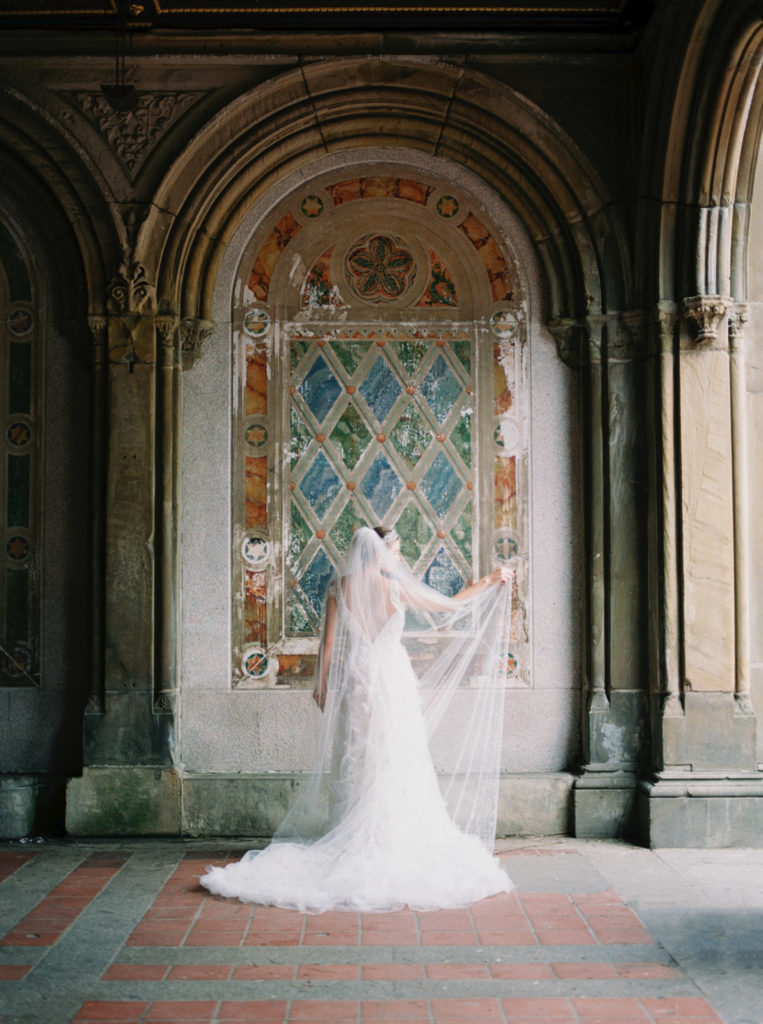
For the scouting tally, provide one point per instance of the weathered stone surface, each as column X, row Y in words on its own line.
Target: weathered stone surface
column 707, row 521
column 254, row 805
column 702, row 812
column 711, row 734
column 602, row 803
column 124, row 801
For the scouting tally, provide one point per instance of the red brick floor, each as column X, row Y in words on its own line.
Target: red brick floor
column 527, row 957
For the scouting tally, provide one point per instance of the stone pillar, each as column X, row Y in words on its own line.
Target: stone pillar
column 614, row 722
column 129, row 784
column 706, row 790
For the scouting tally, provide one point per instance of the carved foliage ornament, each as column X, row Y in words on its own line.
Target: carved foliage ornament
column 706, row 312
column 131, row 134
column 131, row 291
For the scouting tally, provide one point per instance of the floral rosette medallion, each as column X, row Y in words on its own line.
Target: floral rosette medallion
column 380, row 268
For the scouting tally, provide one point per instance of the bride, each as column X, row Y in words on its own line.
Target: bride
column 376, row 828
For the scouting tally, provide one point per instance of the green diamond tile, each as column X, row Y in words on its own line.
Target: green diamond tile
column 300, row 436
column 297, row 352
column 350, row 354
column 462, row 533
column 411, row 435
column 351, row 436
column 461, row 437
column 414, row 532
column 347, row 522
column 463, row 350
column 410, row 354
column 298, row 619
column 299, row 534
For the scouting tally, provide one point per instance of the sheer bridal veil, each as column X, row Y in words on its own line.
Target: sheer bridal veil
column 458, row 650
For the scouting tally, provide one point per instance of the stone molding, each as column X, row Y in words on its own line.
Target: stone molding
column 706, row 312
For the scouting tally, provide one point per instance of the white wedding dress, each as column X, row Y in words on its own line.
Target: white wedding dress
column 388, row 839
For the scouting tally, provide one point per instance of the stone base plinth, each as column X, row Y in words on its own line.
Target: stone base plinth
column 149, row 801
column 696, row 809
column 108, row 801
column 603, row 803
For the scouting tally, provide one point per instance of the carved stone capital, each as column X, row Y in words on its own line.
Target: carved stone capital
column 569, row 337
column 739, row 317
column 706, row 313
column 193, row 334
column 166, row 337
column 666, row 318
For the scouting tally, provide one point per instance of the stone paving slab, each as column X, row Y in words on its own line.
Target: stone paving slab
column 595, row 933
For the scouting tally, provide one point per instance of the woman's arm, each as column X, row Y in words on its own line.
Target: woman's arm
column 501, row 575
column 324, row 653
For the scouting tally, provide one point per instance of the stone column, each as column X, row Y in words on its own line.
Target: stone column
column 128, row 783
column 706, row 790
column 98, row 361
column 738, row 319
column 613, row 729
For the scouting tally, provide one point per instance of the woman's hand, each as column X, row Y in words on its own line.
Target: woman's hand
column 319, row 696
column 501, row 575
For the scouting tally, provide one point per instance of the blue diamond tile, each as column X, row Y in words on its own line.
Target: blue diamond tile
column 380, row 389
column 441, row 388
column 381, row 485
column 320, row 389
column 443, row 575
column 315, row 580
column 441, row 485
column 320, row 485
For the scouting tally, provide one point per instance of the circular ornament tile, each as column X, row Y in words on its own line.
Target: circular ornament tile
column 17, row 548
column 506, row 437
column 311, row 207
column 255, row 663
column 18, row 434
column 256, row 435
column 256, row 323
column 255, row 550
column 447, row 206
column 17, row 661
column 20, row 322
column 504, row 323
column 506, row 548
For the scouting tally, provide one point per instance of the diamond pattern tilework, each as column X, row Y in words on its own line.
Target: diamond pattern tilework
column 367, row 457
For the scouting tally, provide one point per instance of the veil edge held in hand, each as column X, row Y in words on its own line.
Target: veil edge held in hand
column 458, row 648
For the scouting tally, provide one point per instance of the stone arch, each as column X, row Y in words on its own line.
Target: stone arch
column 62, row 198
column 711, row 146
column 441, row 109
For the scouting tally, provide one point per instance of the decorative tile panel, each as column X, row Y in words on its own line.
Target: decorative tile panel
column 19, row 479
column 375, row 420
column 378, row 454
